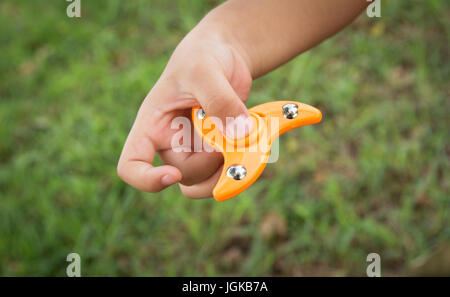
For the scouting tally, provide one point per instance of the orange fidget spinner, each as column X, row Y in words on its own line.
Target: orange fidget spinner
column 246, row 158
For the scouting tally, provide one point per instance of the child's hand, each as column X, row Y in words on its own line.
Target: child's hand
column 213, row 66
column 204, row 69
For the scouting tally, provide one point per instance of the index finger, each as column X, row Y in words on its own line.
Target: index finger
column 135, row 163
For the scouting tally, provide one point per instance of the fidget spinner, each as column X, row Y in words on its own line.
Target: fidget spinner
column 246, row 158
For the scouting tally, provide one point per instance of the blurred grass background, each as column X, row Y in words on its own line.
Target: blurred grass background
column 372, row 177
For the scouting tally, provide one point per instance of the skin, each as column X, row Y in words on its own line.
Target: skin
column 213, row 66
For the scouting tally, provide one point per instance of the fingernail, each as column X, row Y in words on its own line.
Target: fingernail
column 168, row 180
column 239, row 127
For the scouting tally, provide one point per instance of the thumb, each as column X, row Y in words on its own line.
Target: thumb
column 219, row 100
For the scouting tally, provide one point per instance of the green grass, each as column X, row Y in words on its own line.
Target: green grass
column 372, row 177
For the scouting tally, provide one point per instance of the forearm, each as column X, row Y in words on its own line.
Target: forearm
column 269, row 33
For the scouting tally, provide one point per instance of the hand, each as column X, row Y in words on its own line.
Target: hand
column 207, row 70
column 213, row 66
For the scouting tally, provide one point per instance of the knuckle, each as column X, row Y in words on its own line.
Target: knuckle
column 195, row 68
column 197, row 74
